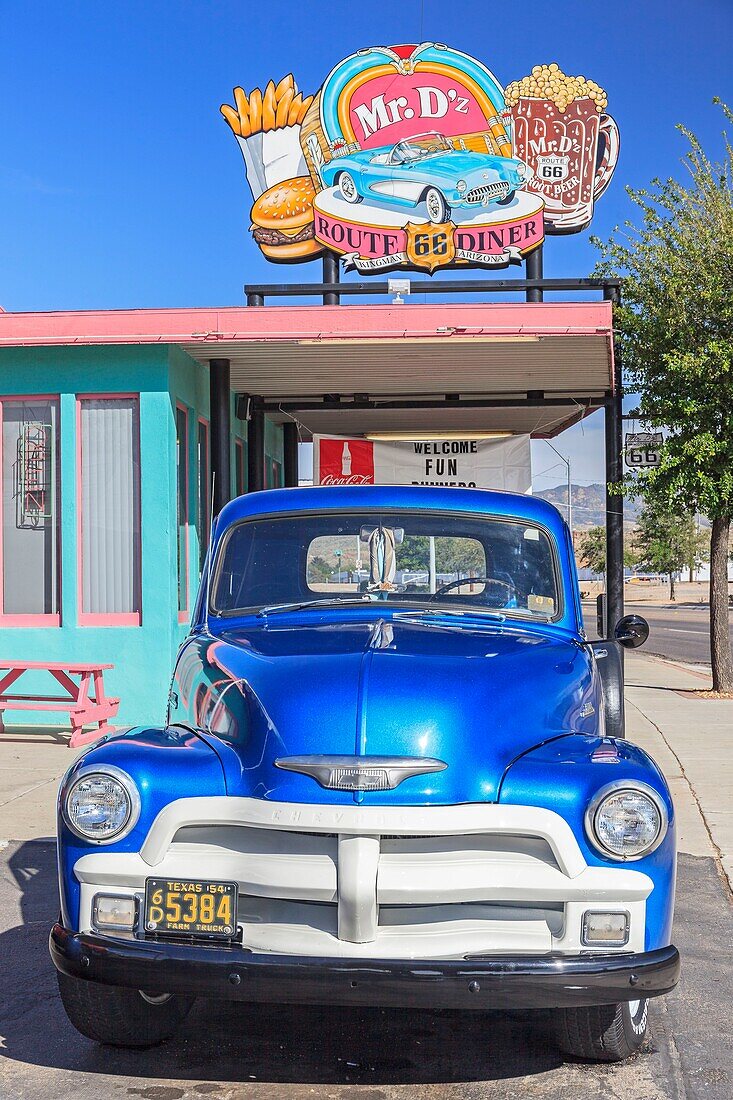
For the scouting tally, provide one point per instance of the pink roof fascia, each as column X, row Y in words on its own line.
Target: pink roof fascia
column 352, row 322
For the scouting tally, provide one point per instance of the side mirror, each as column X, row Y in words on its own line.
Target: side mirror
column 631, row 631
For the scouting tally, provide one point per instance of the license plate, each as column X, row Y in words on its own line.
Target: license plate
column 193, row 907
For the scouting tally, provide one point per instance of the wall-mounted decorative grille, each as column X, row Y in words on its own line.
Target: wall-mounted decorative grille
column 33, row 474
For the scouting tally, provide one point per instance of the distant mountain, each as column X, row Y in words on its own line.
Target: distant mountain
column 589, row 504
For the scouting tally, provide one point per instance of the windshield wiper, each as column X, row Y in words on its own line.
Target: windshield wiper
column 449, row 612
column 300, row 605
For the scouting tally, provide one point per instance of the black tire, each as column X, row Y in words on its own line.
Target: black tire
column 436, row 206
column 604, row 1033
column 506, row 200
column 120, row 1017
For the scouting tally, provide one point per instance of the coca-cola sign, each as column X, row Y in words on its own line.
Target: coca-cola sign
column 345, row 461
column 416, row 157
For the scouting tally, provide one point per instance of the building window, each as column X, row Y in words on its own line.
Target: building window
column 182, row 508
column 29, row 533
column 109, row 510
column 238, row 467
column 204, row 490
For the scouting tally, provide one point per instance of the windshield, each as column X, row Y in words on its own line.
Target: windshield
column 425, row 145
column 450, row 561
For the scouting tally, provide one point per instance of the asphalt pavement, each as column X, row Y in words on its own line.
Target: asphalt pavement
column 679, row 632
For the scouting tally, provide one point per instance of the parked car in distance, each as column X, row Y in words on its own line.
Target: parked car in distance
column 428, row 169
column 358, row 788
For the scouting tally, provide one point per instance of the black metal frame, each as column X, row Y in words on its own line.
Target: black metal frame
column 258, row 293
column 331, row 291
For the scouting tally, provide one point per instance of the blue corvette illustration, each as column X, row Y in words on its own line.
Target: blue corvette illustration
column 403, row 783
column 426, row 169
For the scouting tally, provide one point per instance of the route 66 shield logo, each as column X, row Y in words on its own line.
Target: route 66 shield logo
column 430, row 246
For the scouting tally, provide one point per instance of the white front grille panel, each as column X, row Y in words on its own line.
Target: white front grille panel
column 379, row 883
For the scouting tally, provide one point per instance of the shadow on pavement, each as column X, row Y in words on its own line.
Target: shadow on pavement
column 235, row 1042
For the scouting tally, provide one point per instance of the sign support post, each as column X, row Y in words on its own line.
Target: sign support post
column 533, row 264
column 330, row 275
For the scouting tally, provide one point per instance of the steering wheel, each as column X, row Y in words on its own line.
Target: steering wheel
column 473, row 580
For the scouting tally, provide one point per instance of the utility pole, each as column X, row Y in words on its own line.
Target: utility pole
column 570, row 488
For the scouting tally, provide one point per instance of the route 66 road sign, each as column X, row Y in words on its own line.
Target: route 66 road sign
column 643, row 449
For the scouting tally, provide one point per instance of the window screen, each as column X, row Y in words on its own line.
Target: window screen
column 110, row 506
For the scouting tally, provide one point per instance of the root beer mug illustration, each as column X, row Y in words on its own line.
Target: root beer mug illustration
column 559, row 128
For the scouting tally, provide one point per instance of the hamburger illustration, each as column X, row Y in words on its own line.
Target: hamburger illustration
column 282, row 221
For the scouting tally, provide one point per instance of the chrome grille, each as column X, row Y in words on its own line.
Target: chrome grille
column 490, row 191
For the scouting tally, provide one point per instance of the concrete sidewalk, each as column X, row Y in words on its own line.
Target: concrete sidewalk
column 690, row 738
column 32, row 761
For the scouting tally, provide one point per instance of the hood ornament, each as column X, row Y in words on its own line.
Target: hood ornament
column 360, row 773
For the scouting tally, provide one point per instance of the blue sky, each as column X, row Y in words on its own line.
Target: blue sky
column 121, row 185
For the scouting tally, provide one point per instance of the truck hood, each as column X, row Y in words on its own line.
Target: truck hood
column 475, row 697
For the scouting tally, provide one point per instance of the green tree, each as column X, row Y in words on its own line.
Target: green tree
column 675, row 325
column 592, row 549
column 414, row 552
column 318, row 569
column 663, row 540
column 459, row 555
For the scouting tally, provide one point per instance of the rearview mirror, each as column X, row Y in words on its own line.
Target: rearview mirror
column 367, row 531
column 631, row 631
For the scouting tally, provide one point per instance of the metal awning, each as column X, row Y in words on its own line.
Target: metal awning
column 352, row 369
column 532, row 367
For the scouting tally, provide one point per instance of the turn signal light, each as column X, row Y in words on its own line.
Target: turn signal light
column 609, row 929
column 113, row 911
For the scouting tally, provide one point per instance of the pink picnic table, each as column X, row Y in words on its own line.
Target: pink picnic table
column 83, row 710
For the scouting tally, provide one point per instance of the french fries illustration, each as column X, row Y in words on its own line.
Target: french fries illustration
column 266, row 124
column 278, row 106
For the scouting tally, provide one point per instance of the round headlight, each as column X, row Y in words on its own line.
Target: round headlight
column 521, row 169
column 626, row 821
column 102, row 804
column 461, row 186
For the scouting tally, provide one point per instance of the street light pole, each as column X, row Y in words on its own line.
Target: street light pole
column 570, row 490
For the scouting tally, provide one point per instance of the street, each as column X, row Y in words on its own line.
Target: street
column 680, row 633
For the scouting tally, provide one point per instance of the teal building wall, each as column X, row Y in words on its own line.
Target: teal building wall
column 142, row 655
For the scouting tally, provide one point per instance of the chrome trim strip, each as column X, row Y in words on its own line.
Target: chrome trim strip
column 387, row 772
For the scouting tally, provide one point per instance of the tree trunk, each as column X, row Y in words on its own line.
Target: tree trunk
column 720, row 649
column 671, row 587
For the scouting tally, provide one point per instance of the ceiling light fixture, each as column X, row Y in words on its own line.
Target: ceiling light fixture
column 429, row 436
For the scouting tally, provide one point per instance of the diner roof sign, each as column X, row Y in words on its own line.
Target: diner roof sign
column 416, row 157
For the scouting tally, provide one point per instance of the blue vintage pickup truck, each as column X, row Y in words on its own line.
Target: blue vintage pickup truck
column 393, row 773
